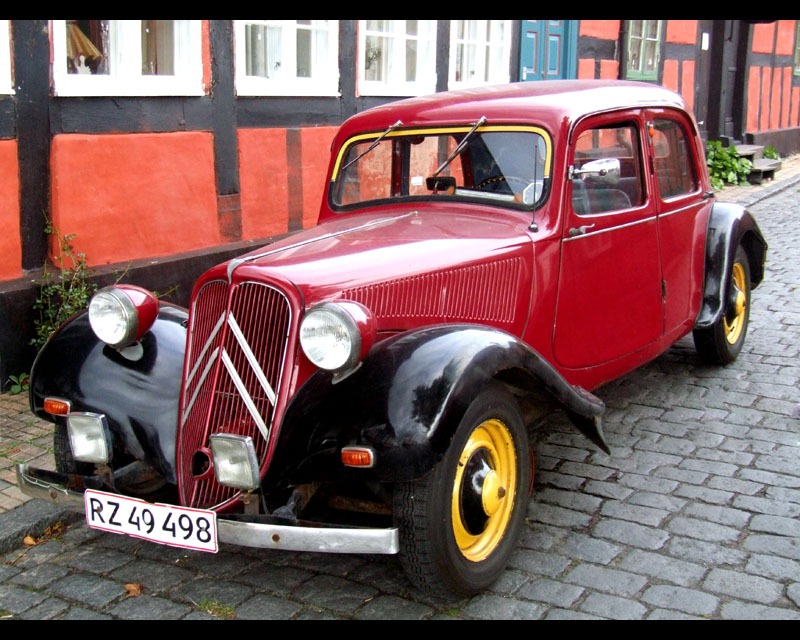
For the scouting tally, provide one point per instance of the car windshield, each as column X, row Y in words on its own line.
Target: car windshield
column 504, row 165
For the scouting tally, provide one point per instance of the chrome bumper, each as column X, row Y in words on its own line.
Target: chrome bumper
column 45, row 485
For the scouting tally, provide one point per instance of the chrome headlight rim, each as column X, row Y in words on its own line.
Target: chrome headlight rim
column 346, row 322
column 127, row 313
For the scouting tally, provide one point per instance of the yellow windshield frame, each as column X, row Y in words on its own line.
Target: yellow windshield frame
column 429, row 131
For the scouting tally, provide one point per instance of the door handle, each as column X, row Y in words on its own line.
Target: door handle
column 579, row 231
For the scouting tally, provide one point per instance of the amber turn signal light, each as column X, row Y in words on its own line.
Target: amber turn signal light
column 363, row 457
column 56, row 406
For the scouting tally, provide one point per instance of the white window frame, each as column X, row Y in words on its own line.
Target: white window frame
column 397, row 85
column 324, row 81
column 125, row 61
column 6, row 86
column 499, row 75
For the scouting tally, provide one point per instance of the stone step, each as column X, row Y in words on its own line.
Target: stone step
column 763, row 169
column 752, row 152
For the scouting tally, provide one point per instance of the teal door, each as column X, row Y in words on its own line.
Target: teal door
column 548, row 49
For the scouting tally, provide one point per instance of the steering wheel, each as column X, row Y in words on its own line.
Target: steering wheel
column 511, row 181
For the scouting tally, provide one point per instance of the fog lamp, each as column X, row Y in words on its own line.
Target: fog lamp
column 89, row 437
column 235, row 462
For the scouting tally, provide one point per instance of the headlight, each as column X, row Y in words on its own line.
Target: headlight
column 122, row 314
column 336, row 335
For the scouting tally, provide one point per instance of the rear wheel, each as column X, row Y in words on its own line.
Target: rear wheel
column 459, row 524
column 721, row 343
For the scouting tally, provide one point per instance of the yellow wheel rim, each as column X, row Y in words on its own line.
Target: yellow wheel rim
column 493, row 490
column 734, row 328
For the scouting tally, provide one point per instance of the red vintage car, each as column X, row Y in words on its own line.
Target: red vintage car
column 355, row 387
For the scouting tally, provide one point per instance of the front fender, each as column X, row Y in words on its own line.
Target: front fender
column 729, row 226
column 138, row 391
column 405, row 400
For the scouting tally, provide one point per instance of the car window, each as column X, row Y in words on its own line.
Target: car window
column 504, row 165
column 595, row 191
column 674, row 166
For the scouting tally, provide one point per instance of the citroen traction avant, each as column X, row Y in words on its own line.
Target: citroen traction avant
column 356, row 387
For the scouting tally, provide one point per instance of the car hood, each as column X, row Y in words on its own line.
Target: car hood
column 425, row 263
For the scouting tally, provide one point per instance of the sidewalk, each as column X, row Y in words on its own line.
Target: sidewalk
column 25, row 438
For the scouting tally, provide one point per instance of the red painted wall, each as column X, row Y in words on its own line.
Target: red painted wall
column 687, row 83
column 763, row 37
column 315, row 156
column 785, row 44
column 682, row 31
column 130, row 196
column 771, row 98
column 603, row 29
column 264, row 178
column 670, row 78
column 753, row 92
column 10, row 247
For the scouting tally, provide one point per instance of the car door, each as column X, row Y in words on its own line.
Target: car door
column 682, row 214
column 609, row 288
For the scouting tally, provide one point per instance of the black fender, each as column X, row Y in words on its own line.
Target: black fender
column 729, row 225
column 138, row 390
column 405, row 401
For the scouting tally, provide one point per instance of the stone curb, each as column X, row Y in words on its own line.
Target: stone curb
column 31, row 518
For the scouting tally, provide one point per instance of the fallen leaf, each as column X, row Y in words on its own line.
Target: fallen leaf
column 30, row 541
column 133, row 590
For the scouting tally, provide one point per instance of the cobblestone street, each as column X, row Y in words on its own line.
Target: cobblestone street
column 696, row 514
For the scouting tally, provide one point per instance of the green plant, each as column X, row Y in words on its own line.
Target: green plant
column 771, row 153
column 217, row 609
column 18, row 383
column 725, row 166
column 64, row 293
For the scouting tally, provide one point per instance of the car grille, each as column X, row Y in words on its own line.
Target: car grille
column 235, row 358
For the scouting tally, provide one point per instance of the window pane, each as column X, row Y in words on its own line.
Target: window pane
column 377, row 58
column 593, row 193
column 411, row 60
column 87, row 46
column 650, row 59
column 263, row 46
column 674, row 167
column 379, row 25
column 158, row 47
column 303, row 53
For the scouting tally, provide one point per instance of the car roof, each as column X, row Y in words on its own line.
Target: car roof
column 546, row 102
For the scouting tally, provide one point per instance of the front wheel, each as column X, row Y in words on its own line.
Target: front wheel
column 459, row 524
column 721, row 343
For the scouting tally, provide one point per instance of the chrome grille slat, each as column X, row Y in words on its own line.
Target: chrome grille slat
column 240, row 336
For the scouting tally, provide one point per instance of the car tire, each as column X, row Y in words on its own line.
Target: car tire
column 721, row 343
column 65, row 461
column 455, row 541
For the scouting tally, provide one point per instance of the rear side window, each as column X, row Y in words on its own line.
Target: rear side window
column 674, row 165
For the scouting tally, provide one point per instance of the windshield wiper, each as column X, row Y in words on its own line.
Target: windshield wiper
column 460, row 146
column 391, row 128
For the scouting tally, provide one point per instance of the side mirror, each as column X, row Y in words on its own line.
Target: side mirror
column 606, row 170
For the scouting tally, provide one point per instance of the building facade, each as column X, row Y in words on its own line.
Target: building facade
column 166, row 146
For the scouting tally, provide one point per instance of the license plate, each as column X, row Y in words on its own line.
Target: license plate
column 162, row 523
